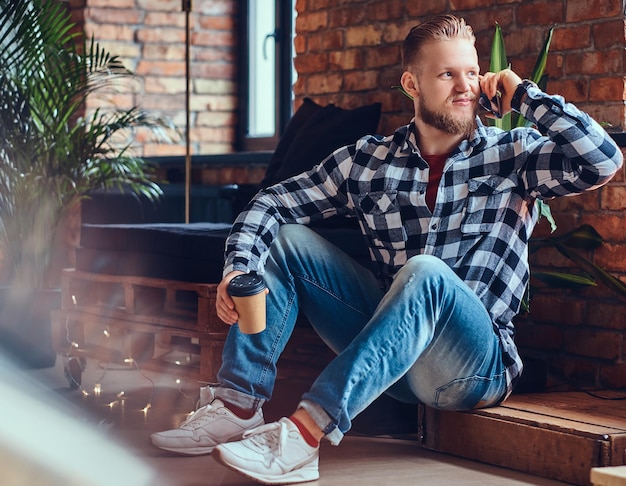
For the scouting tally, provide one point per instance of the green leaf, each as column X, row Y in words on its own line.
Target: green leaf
column 538, row 76
column 585, row 237
column 546, row 212
column 498, row 62
column 540, row 64
column 594, row 270
column 498, row 52
column 564, row 280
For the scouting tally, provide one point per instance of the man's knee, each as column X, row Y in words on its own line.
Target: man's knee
column 423, row 266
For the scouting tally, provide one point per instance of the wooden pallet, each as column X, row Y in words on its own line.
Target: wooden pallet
column 166, row 325
column 560, row 436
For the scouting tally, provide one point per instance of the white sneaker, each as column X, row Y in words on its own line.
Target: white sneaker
column 272, row 454
column 210, row 425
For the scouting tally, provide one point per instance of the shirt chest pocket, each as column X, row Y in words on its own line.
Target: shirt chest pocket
column 488, row 203
column 382, row 218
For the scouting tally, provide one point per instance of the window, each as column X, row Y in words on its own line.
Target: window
column 266, row 92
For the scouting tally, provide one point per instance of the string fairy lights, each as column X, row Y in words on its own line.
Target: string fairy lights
column 75, row 365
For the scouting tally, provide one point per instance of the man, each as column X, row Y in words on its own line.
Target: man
column 446, row 206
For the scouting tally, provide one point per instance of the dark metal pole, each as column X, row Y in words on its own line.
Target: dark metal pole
column 187, row 7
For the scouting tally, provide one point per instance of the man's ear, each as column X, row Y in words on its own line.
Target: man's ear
column 409, row 83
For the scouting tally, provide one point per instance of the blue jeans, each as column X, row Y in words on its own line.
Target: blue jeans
column 427, row 339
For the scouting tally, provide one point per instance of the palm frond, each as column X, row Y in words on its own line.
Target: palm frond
column 53, row 150
column 538, row 73
column 498, row 62
column 563, row 280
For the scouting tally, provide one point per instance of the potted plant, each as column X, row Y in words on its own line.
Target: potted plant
column 584, row 237
column 53, row 151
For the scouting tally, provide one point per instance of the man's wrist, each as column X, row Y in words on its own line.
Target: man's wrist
column 520, row 92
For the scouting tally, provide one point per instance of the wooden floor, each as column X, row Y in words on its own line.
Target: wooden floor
column 117, row 413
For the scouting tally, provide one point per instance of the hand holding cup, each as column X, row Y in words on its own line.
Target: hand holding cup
column 248, row 292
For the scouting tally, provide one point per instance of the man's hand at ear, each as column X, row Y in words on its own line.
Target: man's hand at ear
column 505, row 82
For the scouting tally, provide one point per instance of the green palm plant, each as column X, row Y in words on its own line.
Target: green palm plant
column 54, row 152
column 585, row 237
column 499, row 61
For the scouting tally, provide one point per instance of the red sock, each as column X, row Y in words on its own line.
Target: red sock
column 308, row 437
column 242, row 413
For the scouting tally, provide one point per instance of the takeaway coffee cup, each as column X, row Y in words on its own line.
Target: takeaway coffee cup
column 248, row 293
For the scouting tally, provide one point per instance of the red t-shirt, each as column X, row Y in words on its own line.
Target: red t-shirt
column 436, row 163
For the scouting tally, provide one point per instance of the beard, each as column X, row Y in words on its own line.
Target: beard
column 443, row 121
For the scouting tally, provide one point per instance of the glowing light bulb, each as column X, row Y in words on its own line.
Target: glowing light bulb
column 97, row 389
column 107, row 333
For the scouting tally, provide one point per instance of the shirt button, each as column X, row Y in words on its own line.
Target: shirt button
column 433, row 227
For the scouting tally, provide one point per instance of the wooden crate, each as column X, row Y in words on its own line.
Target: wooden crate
column 165, row 325
column 560, row 436
column 169, row 303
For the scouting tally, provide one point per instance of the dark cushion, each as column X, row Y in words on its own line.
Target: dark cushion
column 307, row 109
column 188, row 252
column 316, row 133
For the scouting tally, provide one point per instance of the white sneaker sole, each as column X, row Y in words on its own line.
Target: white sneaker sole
column 307, row 473
column 187, row 451
column 194, row 450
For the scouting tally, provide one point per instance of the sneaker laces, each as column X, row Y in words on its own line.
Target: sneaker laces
column 268, row 437
column 198, row 416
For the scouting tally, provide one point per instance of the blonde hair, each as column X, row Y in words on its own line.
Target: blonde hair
column 440, row 28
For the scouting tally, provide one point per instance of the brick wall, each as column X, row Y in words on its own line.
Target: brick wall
column 149, row 36
column 348, row 53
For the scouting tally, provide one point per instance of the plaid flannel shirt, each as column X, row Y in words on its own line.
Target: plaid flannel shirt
column 485, row 209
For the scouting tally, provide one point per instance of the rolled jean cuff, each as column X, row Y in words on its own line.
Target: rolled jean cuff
column 323, row 421
column 240, row 399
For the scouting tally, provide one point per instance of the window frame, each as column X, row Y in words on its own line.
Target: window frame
column 283, row 45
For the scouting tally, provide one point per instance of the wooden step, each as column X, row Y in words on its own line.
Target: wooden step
column 561, row 435
column 608, row 476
